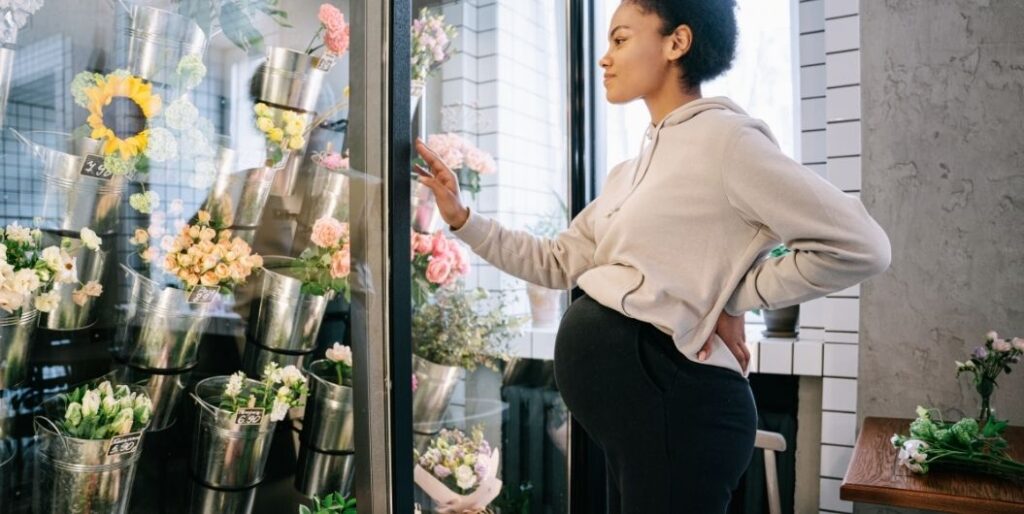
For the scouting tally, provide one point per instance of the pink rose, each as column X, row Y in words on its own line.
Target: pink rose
column 422, row 244
column 327, row 232
column 337, row 40
column 461, row 259
column 341, row 263
column 439, row 271
column 439, row 245
column 331, row 17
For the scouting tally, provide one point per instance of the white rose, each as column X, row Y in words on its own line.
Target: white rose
column 90, row 239
column 465, row 477
column 339, row 353
column 51, row 256
column 992, row 335
column 11, row 301
column 292, row 376
column 25, row 281
column 3, row 253
column 47, row 302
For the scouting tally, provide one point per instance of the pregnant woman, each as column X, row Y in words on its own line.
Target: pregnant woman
column 651, row 359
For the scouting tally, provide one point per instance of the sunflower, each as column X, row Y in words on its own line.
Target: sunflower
column 129, row 88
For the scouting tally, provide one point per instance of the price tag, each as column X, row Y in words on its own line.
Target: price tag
column 249, row 416
column 326, row 62
column 93, row 166
column 124, row 444
column 203, row 294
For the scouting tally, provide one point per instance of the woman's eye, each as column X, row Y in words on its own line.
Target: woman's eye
column 618, row 41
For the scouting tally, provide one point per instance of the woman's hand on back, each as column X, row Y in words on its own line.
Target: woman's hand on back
column 444, row 184
column 732, row 331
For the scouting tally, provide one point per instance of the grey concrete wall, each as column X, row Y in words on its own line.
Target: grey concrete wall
column 943, row 173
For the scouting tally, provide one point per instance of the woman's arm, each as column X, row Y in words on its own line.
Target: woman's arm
column 834, row 241
column 554, row 263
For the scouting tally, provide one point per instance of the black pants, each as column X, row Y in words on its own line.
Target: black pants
column 677, row 435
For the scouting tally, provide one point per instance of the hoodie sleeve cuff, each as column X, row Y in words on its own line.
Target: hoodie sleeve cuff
column 475, row 230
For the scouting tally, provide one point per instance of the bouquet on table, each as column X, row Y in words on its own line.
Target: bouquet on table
column 972, row 444
column 459, row 472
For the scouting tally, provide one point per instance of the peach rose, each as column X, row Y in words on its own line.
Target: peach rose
column 341, row 263
column 327, row 232
column 209, row 279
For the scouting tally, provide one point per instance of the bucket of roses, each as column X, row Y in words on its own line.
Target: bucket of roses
column 326, row 461
column 166, row 316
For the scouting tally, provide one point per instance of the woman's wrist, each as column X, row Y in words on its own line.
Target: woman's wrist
column 461, row 221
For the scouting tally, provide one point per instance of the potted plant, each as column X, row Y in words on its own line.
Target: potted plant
column 974, row 444
column 456, row 330
column 780, row 322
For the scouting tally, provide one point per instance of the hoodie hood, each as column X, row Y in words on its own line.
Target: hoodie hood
column 688, row 110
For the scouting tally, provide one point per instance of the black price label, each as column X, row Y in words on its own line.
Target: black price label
column 248, row 416
column 326, row 62
column 124, row 444
column 203, row 294
column 93, row 167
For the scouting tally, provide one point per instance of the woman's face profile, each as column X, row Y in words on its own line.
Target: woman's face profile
column 638, row 60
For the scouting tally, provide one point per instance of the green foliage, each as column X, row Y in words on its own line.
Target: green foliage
column 334, row 503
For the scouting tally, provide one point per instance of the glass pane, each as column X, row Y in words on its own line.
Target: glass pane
column 188, row 162
column 495, row 111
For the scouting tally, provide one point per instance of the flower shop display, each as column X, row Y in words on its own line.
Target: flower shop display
column 326, row 460
column 456, row 330
column 235, row 424
column 973, row 444
column 431, row 47
column 157, row 40
column 437, row 261
column 166, row 316
column 293, row 295
column 88, row 444
column 165, row 390
column 14, row 16
column 334, row 503
column 291, row 80
column 120, row 106
column 331, row 184
column 29, row 275
column 459, row 472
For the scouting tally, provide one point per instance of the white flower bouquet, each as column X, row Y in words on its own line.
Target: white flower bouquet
column 279, row 390
column 27, row 272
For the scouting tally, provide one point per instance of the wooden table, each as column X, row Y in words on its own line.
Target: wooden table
column 875, row 476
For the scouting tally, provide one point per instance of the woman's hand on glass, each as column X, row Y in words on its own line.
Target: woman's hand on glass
column 732, row 331
column 444, row 184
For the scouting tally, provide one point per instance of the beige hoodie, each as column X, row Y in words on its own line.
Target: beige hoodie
column 679, row 233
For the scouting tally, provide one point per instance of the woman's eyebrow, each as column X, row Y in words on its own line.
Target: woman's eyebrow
column 617, row 27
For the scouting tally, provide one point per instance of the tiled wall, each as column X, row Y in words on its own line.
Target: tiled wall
column 830, row 118
column 503, row 91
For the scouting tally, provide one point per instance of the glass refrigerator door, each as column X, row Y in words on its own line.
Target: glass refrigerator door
column 490, row 85
column 193, row 189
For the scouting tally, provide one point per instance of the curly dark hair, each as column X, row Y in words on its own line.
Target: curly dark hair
column 713, row 23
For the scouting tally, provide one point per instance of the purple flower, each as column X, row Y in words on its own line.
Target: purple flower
column 979, row 353
column 442, row 472
column 480, row 469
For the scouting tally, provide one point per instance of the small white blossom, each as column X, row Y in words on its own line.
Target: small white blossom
column 19, row 234
column 279, row 411
column 90, row 240
column 162, row 145
column 47, row 302
column 291, row 376
column 234, row 387
column 181, row 114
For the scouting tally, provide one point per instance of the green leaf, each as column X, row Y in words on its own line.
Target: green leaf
column 304, row 510
column 994, row 427
column 238, row 28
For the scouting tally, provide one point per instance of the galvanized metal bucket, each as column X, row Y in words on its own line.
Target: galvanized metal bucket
column 285, row 318
column 165, row 391
column 16, row 332
column 157, row 40
column 209, row 500
column 327, row 195
column 73, row 201
column 237, row 198
column 289, row 78
column 159, row 328
column 227, row 455
column 435, row 385
column 326, row 462
column 255, row 358
column 75, row 475
column 92, row 265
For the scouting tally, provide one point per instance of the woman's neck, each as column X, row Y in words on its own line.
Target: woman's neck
column 669, row 99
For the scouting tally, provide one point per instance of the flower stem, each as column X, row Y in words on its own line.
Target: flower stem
column 309, row 47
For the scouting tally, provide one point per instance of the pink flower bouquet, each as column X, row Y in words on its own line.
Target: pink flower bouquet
column 431, row 44
column 464, row 158
column 459, row 472
column 436, row 262
column 324, row 267
column 333, row 33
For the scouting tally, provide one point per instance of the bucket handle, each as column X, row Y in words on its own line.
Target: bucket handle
column 202, row 403
column 56, row 430
column 115, row 3
column 323, row 117
column 32, row 147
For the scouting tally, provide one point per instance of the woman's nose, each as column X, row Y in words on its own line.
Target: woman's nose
column 604, row 62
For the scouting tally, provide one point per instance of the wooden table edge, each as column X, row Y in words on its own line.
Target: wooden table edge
column 918, row 500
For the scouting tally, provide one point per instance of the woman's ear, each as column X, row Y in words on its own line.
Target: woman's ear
column 679, row 42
